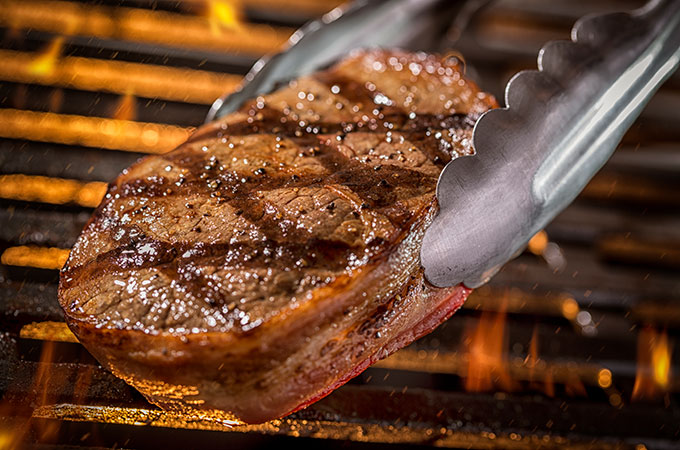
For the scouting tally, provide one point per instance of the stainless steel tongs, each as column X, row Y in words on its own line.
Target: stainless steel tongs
column 559, row 127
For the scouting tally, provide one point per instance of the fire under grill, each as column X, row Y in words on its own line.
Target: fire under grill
column 571, row 344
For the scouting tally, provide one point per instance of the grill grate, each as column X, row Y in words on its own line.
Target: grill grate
column 555, row 351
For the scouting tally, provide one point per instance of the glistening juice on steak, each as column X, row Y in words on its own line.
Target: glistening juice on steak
column 275, row 255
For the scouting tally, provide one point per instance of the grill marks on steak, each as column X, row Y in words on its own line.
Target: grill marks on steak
column 282, row 240
column 332, row 218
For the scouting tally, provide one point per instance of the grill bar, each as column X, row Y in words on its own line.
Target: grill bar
column 435, row 417
column 182, row 85
column 91, row 131
column 139, row 25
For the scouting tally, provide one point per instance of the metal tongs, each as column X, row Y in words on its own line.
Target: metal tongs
column 560, row 124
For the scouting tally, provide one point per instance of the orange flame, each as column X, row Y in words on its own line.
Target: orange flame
column 44, row 432
column 654, row 364
column 83, row 384
column 532, row 358
column 487, row 364
column 224, row 14
column 45, row 62
column 11, row 437
column 549, row 383
column 43, row 372
column 126, row 108
column 573, row 386
column 56, row 100
column 532, row 362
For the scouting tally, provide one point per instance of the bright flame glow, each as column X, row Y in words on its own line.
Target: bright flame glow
column 47, row 380
column 44, row 63
column 47, row 431
column 42, row 374
column 533, row 363
column 224, row 14
column 6, row 440
column 487, row 364
column 654, row 364
column 661, row 361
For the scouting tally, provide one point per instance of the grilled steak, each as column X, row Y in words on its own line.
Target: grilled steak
column 275, row 255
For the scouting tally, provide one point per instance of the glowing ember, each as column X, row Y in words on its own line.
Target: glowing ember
column 653, row 366
column 45, row 62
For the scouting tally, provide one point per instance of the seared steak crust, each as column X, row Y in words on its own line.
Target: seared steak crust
column 276, row 253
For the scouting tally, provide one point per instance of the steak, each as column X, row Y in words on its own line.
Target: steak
column 275, row 255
